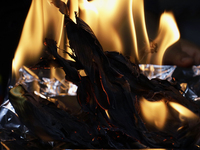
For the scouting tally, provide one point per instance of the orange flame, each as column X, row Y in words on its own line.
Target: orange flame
column 120, row 26
column 98, row 15
column 154, row 113
column 115, row 24
column 184, row 113
column 168, row 34
column 143, row 46
column 43, row 21
column 157, row 113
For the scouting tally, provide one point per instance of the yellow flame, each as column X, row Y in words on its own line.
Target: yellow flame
column 73, row 8
column 43, row 21
column 168, row 34
column 154, row 113
column 143, row 46
column 120, row 26
column 31, row 28
column 116, row 24
column 112, row 23
column 99, row 16
column 157, row 113
column 184, row 112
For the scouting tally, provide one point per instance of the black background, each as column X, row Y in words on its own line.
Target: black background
column 12, row 16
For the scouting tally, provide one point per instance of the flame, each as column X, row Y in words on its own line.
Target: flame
column 184, row 113
column 143, row 45
column 73, row 8
column 119, row 26
column 98, row 15
column 113, row 23
column 168, row 34
column 43, row 21
column 157, row 113
column 154, row 113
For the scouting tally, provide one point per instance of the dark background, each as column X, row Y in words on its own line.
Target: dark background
column 186, row 12
column 13, row 14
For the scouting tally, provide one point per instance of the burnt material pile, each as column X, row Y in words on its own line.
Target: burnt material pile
column 109, row 96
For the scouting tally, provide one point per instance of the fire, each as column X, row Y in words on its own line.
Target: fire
column 43, row 20
column 168, row 34
column 98, row 15
column 158, row 114
column 154, row 113
column 143, row 45
column 73, row 8
column 115, row 24
column 184, row 113
column 119, row 26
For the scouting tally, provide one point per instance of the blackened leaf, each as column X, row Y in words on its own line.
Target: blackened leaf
column 48, row 122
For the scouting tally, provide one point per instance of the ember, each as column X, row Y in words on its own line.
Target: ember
column 116, row 106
